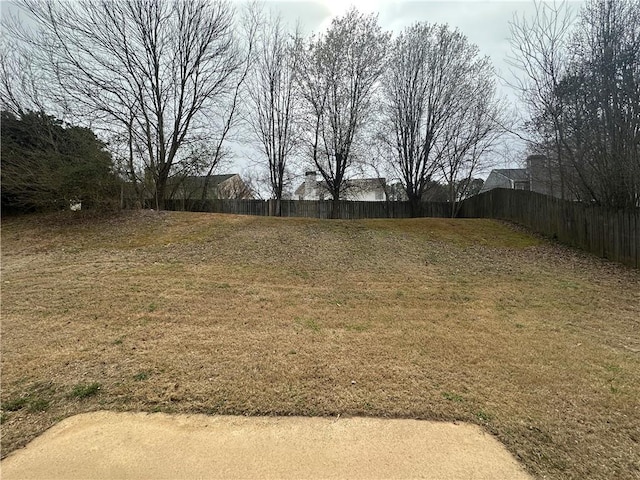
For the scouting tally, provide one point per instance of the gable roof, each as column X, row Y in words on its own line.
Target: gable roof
column 193, row 185
column 300, row 189
column 366, row 183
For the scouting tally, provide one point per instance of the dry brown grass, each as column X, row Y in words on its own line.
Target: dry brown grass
column 465, row 320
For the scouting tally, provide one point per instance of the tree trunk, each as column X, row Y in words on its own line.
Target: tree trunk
column 161, row 187
column 335, row 207
column 275, row 207
column 414, row 206
column 455, row 208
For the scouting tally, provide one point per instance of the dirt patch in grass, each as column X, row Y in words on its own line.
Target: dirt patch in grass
column 442, row 319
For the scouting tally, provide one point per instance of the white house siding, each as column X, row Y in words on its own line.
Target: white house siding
column 363, row 190
column 496, row 180
column 366, row 196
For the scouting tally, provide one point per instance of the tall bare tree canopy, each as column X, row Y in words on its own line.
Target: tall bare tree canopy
column 582, row 87
column 273, row 89
column 156, row 71
column 164, row 84
column 442, row 112
column 339, row 73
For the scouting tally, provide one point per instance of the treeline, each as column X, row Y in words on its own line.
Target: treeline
column 169, row 83
column 581, row 83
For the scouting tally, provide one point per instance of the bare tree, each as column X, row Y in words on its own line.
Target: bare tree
column 411, row 113
column 228, row 116
column 339, row 73
column 540, row 56
column 376, row 154
column 275, row 100
column 20, row 90
column 581, row 82
column 471, row 133
column 441, row 108
column 601, row 98
column 156, row 71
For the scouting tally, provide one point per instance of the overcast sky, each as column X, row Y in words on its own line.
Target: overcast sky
column 484, row 22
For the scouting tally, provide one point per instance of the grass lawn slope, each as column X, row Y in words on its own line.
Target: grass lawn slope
column 456, row 320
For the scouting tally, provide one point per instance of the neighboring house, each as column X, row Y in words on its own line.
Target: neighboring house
column 357, row 189
column 229, row 186
column 539, row 176
column 514, row 178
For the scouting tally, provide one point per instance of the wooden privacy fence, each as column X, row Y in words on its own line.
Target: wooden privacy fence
column 237, row 207
column 314, row 209
column 609, row 233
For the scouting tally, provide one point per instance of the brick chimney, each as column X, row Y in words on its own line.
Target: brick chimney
column 539, row 174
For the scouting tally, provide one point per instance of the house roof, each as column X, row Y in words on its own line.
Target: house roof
column 515, row 174
column 300, row 189
column 194, row 184
column 366, row 183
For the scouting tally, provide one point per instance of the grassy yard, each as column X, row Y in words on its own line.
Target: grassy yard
column 456, row 320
